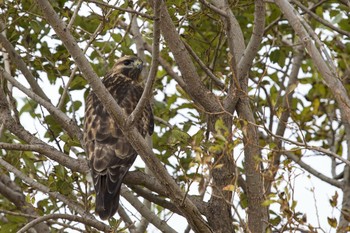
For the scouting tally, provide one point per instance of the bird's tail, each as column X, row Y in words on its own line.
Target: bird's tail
column 107, row 196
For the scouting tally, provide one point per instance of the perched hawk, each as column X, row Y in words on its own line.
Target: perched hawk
column 109, row 152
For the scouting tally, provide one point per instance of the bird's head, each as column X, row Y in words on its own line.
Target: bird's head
column 130, row 66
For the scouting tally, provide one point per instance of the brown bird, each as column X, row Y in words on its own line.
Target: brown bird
column 109, row 152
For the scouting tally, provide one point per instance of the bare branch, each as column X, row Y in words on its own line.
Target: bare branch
column 121, row 9
column 67, row 123
column 16, row 59
column 87, row 221
column 147, row 92
column 50, row 152
column 311, row 170
column 216, row 80
column 319, row 19
column 145, row 212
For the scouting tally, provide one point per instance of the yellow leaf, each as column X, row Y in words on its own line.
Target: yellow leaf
column 229, row 187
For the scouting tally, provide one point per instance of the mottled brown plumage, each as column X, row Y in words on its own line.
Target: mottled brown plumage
column 109, row 152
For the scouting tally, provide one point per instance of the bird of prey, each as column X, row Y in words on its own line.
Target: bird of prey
column 109, row 153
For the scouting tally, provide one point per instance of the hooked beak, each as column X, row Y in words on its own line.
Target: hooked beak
column 138, row 64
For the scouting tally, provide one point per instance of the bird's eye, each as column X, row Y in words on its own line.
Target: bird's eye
column 127, row 62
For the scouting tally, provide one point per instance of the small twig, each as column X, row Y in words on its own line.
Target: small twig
column 146, row 95
column 216, row 80
column 92, row 38
column 314, row 148
column 144, row 211
column 74, row 15
column 98, row 225
column 71, row 128
column 125, row 217
column 311, row 170
column 322, row 21
column 121, row 9
column 214, row 8
column 31, row 182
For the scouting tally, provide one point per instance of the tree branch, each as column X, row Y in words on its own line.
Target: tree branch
column 245, row 63
column 97, row 2
column 330, row 78
column 322, row 21
column 13, row 192
column 147, row 92
column 68, row 124
column 50, row 152
column 87, row 221
column 313, row 171
column 74, row 206
column 189, row 74
column 216, row 80
column 145, row 212
column 16, row 59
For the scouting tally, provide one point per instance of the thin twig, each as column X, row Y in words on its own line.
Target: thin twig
column 322, row 21
column 313, row 171
column 216, row 80
column 214, row 8
column 74, row 15
column 147, row 92
column 74, row 206
column 144, row 211
column 71, row 128
column 121, row 9
column 87, row 221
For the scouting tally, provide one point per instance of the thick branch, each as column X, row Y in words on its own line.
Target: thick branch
column 190, row 76
column 253, row 46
